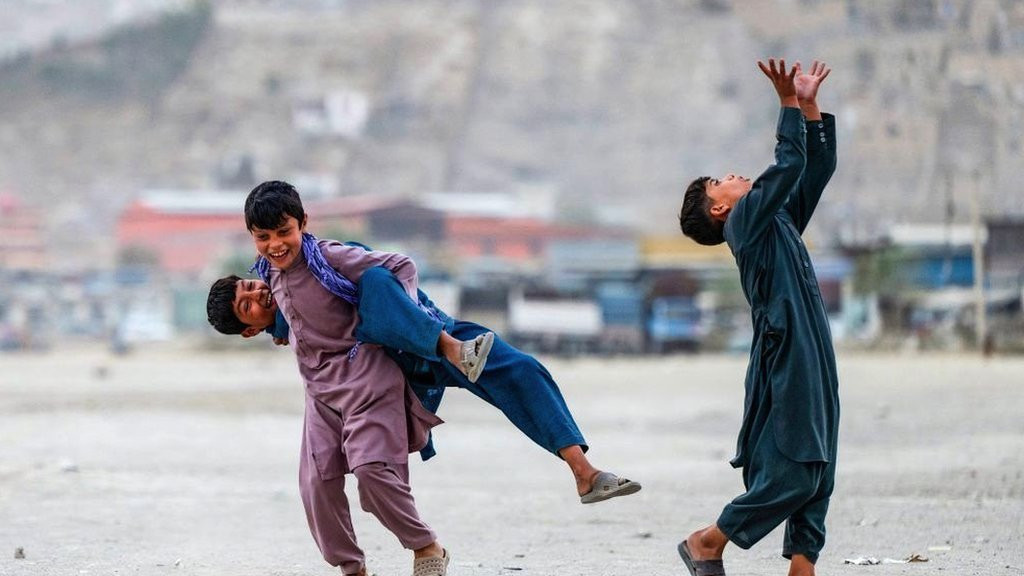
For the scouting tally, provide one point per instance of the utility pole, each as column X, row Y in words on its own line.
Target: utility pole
column 978, row 257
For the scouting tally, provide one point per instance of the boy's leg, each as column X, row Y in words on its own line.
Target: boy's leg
column 387, row 316
column 776, row 488
column 327, row 513
column 805, row 530
column 523, row 389
column 384, row 492
column 582, row 470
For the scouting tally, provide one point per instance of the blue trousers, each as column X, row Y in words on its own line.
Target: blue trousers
column 512, row 381
column 780, row 490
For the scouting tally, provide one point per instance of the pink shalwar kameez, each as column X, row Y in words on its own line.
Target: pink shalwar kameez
column 361, row 416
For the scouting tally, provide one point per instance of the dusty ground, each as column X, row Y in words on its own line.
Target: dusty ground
column 183, row 461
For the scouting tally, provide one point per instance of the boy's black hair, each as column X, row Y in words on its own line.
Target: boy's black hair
column 270, row 203
column 220, row 306
column 694, row 217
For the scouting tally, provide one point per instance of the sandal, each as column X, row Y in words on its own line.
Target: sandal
column 608, row 485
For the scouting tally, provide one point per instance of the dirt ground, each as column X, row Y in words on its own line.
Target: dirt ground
column 184, row 461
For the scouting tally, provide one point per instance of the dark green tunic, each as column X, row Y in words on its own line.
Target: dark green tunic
column 791, row 381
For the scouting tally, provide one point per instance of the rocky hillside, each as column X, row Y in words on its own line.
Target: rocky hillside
column 611, row 105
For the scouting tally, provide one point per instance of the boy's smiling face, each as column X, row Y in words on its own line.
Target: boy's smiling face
column 254, row 305
column 281, row 245
column 724, row 193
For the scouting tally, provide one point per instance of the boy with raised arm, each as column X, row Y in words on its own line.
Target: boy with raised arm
column 788, row 438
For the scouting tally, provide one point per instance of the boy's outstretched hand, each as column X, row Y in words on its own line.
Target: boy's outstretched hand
column 807, row 82
column 782, row 80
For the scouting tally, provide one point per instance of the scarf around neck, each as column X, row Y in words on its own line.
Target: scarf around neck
column 332, row 280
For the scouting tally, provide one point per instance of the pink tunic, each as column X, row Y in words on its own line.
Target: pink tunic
column 381, row 419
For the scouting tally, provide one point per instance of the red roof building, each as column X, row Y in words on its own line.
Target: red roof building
column 189, row 231
column 22, row 236
column 186, row 231
column 517, row 240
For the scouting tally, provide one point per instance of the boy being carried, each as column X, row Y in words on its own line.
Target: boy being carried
column 514, row 382
column 246, row 307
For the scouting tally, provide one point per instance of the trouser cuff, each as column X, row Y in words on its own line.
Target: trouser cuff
column 737, row 537
column 812, row 556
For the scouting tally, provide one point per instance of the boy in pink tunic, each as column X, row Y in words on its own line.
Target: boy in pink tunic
column 361, row 417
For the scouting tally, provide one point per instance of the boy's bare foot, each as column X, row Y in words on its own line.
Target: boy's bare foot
column 586, row 484
column 432, row 549
column 707, row 544
column 701, row 552
column 800, row 565
column 582, row 470
column 593, row 485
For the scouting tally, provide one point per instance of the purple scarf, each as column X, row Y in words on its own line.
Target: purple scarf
column 332, row 280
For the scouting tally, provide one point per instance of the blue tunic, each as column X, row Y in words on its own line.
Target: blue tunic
column 791, row 381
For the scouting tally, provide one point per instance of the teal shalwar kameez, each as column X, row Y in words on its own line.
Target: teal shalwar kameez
column 787, row 441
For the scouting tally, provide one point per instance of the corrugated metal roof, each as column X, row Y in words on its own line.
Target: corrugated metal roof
column 173, row 201
column 934, row 234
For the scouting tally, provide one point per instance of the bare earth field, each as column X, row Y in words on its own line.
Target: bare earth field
column 184, row 461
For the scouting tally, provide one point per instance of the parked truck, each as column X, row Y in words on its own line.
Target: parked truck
column 614, row 318
column 623, row 312
column 674, row 323
column 554, row 323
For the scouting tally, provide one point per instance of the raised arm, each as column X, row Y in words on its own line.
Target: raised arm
column 753, row 213
column 821, row 146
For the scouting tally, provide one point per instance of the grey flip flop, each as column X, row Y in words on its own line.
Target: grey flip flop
column 700, row 567
column 608, row 485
